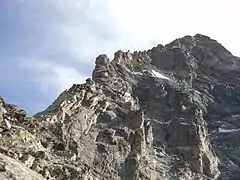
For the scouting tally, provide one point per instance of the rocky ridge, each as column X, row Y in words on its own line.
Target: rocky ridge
column 167, row 113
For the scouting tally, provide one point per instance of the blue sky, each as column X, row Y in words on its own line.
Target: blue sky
column 48, row 45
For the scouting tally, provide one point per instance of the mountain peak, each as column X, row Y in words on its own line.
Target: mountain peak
column 171, row 112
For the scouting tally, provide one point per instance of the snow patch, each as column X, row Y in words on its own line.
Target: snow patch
column 236, row 115
column 138, row 73
column 221, row 130
column 197, row 91
column 159, row 75
column 183, row 123
column 157, row 121
column 152, row 73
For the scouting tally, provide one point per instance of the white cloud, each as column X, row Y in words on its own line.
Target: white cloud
column 140, row 24
column 51, row 78
column 82, row 29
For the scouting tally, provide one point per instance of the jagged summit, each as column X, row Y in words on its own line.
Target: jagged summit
column 171, row 112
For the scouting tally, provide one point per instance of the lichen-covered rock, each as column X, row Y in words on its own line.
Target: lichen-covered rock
column 12, row 169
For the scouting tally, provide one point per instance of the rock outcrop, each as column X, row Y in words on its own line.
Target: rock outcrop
column 170, row 112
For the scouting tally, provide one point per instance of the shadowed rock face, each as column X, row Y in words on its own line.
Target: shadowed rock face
column 171, row 112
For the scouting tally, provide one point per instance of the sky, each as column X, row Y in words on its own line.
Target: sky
column 48, row 45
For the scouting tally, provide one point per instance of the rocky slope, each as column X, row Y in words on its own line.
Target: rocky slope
column 171, row 112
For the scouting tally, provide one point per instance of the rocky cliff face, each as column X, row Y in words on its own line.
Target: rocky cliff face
column 170, row 112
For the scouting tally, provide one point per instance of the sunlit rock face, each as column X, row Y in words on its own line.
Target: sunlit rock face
column 171, row 112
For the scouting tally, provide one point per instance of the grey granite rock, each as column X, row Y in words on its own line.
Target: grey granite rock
column 171, row 112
